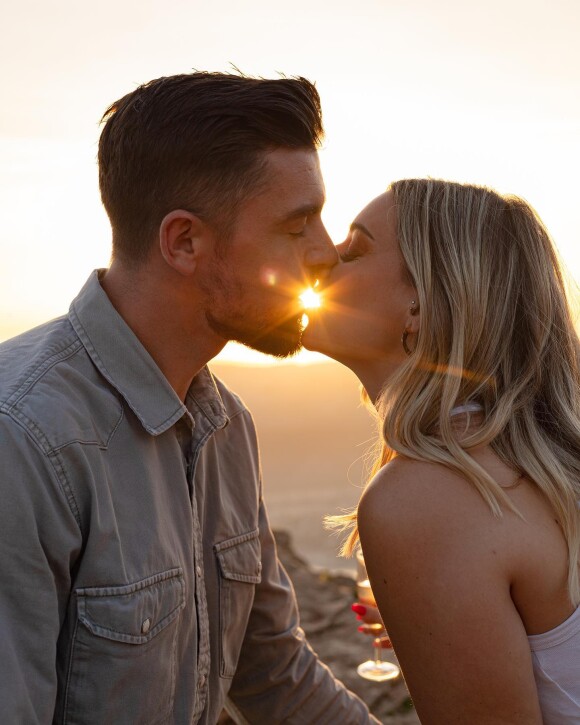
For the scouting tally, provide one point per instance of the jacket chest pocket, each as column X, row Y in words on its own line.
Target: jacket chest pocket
column 122, row 666
column 240, row 569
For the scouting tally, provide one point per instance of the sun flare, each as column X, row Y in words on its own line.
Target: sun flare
column 310, row 299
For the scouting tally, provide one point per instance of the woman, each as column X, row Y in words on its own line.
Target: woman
column 450, row 307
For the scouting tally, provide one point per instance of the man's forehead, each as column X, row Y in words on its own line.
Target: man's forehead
column 293, row 182
column 292, row 165
column 287, row 155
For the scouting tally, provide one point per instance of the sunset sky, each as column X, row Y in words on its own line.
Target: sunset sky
column 483, row 92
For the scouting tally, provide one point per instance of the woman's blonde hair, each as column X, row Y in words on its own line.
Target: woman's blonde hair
column 496, row 329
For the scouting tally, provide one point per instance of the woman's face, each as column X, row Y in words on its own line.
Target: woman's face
column 367, row 298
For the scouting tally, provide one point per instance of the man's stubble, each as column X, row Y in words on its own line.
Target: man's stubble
column 234, row 317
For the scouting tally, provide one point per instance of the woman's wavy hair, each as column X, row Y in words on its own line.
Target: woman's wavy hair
column 497, row 329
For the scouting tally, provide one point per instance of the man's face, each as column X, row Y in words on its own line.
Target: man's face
column 278, row 247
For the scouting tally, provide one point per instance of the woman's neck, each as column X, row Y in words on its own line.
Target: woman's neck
column 373, row 374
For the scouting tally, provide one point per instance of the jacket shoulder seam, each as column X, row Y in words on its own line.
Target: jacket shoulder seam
column 38, row 372
column 53, row 460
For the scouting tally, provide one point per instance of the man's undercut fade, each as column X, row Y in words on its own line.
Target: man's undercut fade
column 196, row 142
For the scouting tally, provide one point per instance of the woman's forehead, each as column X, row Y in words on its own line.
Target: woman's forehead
column 378, row 216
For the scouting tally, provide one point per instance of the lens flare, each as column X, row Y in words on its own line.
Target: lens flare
column 269, row 277
column 310, row 299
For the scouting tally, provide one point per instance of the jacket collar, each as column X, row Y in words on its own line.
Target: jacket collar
column 125, row 363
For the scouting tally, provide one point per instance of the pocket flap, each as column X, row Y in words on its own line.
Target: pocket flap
column 132, row 613
column 240, row 558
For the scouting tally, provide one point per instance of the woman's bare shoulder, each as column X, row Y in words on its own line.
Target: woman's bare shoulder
column 420, row 487
column 408, row 496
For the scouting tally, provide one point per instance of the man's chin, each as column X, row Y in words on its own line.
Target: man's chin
column 276, row 348
column 282, row 341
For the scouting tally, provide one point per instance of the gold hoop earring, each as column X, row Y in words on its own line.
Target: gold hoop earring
column 406, row 348
column 414, row 311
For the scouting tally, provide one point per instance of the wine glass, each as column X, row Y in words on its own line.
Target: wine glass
column 376, row 668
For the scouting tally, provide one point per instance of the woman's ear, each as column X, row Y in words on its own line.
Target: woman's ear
column 180, row 240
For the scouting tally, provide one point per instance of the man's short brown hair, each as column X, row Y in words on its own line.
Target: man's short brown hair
column 195, row 141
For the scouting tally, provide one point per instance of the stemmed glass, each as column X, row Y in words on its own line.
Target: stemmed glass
column 376, row 668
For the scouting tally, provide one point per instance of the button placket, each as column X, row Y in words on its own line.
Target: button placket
column 203, row 663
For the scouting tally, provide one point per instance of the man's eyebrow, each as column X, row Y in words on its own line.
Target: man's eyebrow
column 361, row 228
column 306, row 210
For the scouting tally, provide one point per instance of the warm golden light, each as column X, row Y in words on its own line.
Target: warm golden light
column 269, row 277
column 310, row 299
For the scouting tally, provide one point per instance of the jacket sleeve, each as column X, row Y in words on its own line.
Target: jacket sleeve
column 38, row 539
column 279, row 678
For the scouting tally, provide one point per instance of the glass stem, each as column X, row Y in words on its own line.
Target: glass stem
column 378, row 650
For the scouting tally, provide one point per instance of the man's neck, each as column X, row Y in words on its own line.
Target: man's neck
column 161, row 310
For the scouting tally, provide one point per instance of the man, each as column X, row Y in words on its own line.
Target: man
column 140, row 582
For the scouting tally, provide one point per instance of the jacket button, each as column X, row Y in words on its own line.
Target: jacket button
column 146, row 626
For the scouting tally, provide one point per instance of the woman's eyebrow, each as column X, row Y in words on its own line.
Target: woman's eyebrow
column 361, row 228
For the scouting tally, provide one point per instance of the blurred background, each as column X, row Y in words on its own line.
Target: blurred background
column 482, row 92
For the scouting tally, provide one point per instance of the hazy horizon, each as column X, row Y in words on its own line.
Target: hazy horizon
column 314, row 434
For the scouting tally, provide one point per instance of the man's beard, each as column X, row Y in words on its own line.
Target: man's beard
column 281, row 340
column 249, row 324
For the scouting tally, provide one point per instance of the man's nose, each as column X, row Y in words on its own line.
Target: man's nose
column 321, row 256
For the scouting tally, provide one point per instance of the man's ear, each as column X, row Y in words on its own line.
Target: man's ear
column 180, row 240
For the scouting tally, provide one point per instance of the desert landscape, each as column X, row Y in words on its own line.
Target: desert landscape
column 314, row 434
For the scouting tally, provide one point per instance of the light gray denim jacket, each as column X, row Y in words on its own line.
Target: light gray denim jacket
column 139, row 581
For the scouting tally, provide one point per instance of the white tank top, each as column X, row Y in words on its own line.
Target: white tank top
column 556, row 661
